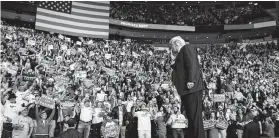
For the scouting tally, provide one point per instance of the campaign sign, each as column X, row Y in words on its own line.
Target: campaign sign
column 81, row 74
column 107, row 56
column 47, row 102
column 219, row 98
column 67, row 104
column 207, row 124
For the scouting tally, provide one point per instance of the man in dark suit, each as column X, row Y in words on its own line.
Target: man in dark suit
column 251, row 129
column 187, row 78
column 71, row 132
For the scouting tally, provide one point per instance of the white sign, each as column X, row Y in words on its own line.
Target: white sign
column 90, row 42
column 64, row 47
column 50, row 47
column 68, row 39
column 31, row 42
column 78, row 43
column 81, row 74
column 219, row 97
column 61, row 36
column 107, row 56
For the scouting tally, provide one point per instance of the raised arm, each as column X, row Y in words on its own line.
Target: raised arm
column 3, row 95
column 37, row 112
column 51, row 115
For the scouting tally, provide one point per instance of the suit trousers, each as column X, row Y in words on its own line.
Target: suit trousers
column 193, row 106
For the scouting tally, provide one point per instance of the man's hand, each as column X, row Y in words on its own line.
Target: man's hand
column 190, row 85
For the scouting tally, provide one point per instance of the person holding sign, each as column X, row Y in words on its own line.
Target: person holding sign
column 178, row 122
column 86, row 114
column 43, row 122
column 110, row 127
column 144, row 121
column 188, row 80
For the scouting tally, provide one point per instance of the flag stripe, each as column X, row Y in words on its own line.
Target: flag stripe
column 89, row 9
column 104, row 3
column 75, row 10
column 91, row 16
column 72, row 33
column 91, row 6
column 72, row 26
column 71, row 19
column 57, row 20
column 73, row 30
column 78, row 17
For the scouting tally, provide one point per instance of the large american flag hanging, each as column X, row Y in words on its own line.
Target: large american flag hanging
column 81, row 18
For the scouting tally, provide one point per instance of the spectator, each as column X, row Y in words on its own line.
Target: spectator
column 71, row 132
column 144, row 122
column 178, row 123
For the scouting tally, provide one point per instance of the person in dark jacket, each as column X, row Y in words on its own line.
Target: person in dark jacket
column 71, row 132
column 231, row 130
column 252, row 128
column 120, row 113
column 188, row 80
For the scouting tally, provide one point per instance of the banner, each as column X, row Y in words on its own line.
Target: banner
column 64, row 47
column 90, row 42
column 108, row 56
column 78, row 43
column 109, row 71
column 165, row 86
column 219, row 98
column 28, row 76
column 152, row 26
column 50, row 47
column 207, row 124
column 9, row 37
column 22, row 51
column 67, row 104
column 61, row 36
column 81, row 74
column 68, row 39
column 129, row 64
column 47, row 102
column 46, row 63
column 88, row 82
column 31, row 42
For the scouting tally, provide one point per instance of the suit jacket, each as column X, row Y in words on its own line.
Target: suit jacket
column 70, row 133
column 187, row 69
column 251, row 130
column 115, row 114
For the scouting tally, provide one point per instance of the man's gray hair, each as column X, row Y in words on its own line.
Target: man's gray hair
column 178, row 40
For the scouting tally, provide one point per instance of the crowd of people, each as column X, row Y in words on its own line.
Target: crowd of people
column 190, row 15
column 161, row 14
column 51, row 84
column 230, row 14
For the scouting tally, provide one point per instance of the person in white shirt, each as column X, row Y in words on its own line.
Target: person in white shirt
column 238, row 95
column 144, row 122
column 178, row 122
column 98, row 118
column 11, row 111
column 86, row 115
column 23, row 125
column 23, row 95
column 3, row 119
column 101, row 96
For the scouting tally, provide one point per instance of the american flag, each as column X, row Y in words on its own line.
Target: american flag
column 81, row 18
